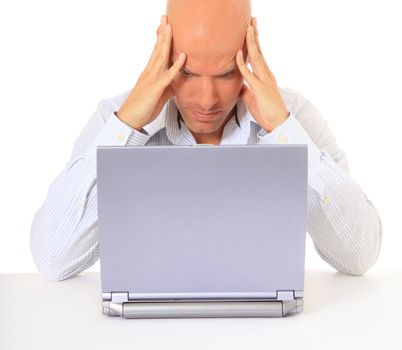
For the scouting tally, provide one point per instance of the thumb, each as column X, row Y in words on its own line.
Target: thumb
column 174, row 69
column 166, row 95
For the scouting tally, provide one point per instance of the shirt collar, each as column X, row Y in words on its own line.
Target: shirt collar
column 236, row 130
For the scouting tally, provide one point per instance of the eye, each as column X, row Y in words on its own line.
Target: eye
column 185, row 73
column 228, row 74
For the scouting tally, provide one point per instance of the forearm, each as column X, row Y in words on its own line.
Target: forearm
column 344, row 225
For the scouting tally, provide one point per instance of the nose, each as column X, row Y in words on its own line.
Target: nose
column 207, row 94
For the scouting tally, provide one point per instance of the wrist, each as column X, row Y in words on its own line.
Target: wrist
column 271, row 125
column 131, row 125
column 122, row 118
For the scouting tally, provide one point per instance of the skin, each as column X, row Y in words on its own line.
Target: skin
column 211, row 33
column 198, row 61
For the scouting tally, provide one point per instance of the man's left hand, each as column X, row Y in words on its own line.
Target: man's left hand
column 262, row 96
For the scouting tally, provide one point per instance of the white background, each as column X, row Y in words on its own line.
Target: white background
column 58, row 59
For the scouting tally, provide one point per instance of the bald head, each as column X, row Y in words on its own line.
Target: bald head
column 210, row 32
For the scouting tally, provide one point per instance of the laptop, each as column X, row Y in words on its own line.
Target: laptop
column 202, row 231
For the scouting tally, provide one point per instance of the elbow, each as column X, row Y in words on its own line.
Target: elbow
column 57, row 274
column 52, row 268
column 48, row 262
column 357, row 267
column 368, row 252
column 359, row 255
column 360, row 261
column 52, row 275
column 59, row 261
column 363, row 261
column 62, row 264
column 58, row 268
column 354, row 262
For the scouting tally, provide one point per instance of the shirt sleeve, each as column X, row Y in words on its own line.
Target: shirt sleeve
column 64, row 233
column 343, row 223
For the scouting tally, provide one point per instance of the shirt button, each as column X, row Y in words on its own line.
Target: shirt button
column 325, row 199
column 283, row 139
column 120, row 136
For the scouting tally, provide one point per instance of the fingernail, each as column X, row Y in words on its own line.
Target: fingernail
column 166, row 29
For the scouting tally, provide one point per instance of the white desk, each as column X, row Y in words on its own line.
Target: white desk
column 340, row 312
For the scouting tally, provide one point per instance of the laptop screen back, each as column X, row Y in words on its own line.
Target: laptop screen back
column 195, row 220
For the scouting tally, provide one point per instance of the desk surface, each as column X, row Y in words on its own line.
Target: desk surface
column 340, row 311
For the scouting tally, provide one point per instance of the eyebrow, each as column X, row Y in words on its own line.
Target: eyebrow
column 226, row 72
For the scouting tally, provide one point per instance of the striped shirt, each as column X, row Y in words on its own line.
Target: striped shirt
column 344, row 225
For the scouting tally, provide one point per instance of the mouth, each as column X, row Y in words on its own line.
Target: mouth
column 205, row 116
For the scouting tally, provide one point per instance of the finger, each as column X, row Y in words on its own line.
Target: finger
column 160, row 54
column 251, row 79
column 171, row 73
column 165, row 45
column 159, row 31
column 157, row 43
column 162, row 23
column 254, row 24
column 256, row 58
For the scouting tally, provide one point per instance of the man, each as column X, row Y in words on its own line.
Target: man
column 197, row 79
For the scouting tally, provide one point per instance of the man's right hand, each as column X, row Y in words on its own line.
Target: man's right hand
column 152, row 89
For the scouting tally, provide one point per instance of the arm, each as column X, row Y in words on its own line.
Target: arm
column 64, row 233
column 342, row 222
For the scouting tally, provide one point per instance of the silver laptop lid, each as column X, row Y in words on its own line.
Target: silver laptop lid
column 202, row 221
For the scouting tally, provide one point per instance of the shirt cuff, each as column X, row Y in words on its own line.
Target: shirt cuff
column 291, row 132
column 116, row 133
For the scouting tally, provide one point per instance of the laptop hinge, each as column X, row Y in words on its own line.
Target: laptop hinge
column 292, row 300
column 119, row 297
column 289, row 294
column 112, row 304
column 285, row 295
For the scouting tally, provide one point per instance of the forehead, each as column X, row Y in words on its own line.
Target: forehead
column 207, row 61
column 208, row 57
